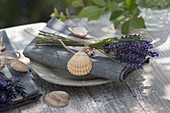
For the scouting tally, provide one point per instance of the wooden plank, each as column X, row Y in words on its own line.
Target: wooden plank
column 33, row 108
column 144, row 91
column 100, row 99
column 118, row 97
column 16, row 110
column 152, row 86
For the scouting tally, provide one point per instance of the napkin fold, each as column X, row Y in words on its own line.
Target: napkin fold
column 33, row 94
column 57, row 57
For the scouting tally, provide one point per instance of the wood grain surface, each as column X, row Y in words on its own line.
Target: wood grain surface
column 145, row 91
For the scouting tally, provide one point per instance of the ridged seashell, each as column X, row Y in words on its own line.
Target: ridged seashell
column 80, row 64
column 80, row 32
column 57, row 98
column 18, row 65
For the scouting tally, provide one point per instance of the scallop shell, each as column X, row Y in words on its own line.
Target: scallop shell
column 18, row 65
column 80, row 32
column 80, row 64
column 57, row 98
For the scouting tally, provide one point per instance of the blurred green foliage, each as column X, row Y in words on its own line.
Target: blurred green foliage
column 124, row 13
column 17, row 12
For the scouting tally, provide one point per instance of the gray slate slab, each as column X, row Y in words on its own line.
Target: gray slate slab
column 31, row 89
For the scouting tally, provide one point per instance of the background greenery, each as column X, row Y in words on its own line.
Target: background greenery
column 124, row 12
column 17, row 12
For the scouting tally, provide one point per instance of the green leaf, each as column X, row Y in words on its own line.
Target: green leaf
column 91, row 12
column 125, row 27
column 62, row 16
column 99, row 2
column 67, row 12
column 137, row 22
column 77, row 3
column 116, row 14
column 131, row 5
column 112, row 6
column 55, row 13
column 118, row 21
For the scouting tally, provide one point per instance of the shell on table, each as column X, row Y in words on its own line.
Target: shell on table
column 57, row 98
column 80, row 32
column 18, row 65
column 80, row 64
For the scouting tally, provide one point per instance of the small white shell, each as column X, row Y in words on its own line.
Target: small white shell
column 18, row 65
column 57, row 98
column 80, row 64
column 80, row 32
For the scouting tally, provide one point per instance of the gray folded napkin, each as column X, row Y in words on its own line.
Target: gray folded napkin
column 31, row 89
column 57, row 57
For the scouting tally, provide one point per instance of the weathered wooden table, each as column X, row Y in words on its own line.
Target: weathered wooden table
column 146, row 90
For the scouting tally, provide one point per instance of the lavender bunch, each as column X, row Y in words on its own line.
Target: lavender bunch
column 133, row 53
column 9, row 89
column 130, row 49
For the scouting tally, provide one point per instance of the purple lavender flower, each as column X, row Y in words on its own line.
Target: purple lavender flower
column 9, row 89
column 132, row 53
